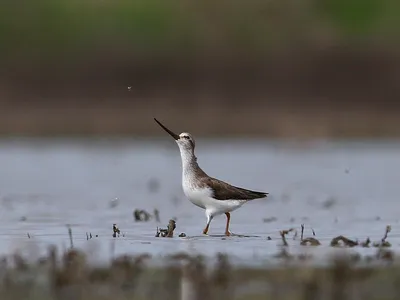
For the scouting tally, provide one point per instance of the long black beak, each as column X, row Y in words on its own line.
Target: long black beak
column 174, row 135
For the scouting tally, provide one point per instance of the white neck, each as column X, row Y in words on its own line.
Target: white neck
column 189, row 161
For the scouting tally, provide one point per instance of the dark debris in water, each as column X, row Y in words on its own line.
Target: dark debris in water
column 141, row 215
column 339, row 241
column 116, row 231
column 310, row 241
column 382, row 254
column 283, row 234
column 269, row 220
column 169, row 231
column 89, row 236
column 342, row 241
column 384, row 242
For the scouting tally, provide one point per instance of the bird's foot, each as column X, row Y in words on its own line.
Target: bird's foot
column 228, row 233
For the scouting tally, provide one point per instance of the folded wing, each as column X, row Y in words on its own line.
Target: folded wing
column 225, row 191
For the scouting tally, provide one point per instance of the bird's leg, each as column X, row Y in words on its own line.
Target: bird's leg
column 206, row 229
column 209, row 218
column 228, row 218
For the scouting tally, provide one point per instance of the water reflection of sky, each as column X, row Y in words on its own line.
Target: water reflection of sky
column 44, row 186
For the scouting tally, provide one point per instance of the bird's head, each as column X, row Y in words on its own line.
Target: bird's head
column 184, row 140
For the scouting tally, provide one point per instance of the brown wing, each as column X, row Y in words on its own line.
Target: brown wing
column 225, row 191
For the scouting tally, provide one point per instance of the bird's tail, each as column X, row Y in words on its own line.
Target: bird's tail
column 255, row 194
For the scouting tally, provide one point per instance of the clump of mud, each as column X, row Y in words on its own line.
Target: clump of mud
column 169, row 231
column 339, row 241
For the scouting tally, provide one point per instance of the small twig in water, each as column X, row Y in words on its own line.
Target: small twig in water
column 310, row 240
column 70, row 236
column 283, row 233
column 383, row 242
column 158, row 232
column 388, row 229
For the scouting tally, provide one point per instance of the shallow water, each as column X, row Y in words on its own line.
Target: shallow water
column 335, row 188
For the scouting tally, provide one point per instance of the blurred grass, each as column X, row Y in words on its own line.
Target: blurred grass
column 287, row 62
column 46, row 27
column 183, row 276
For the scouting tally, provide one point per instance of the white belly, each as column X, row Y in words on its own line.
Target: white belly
column 202, row 198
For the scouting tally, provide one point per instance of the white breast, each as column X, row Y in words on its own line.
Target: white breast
column 198, row 196
column 202, row 197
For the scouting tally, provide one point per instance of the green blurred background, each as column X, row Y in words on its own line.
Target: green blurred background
column 326, row 68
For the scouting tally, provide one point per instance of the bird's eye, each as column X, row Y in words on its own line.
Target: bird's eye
column 186, row 137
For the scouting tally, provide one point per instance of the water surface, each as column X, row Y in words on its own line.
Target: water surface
column 335, row 188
